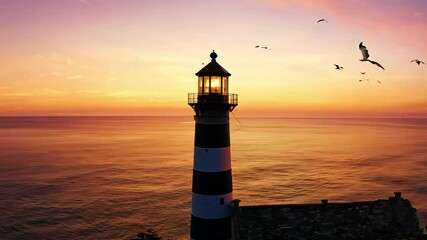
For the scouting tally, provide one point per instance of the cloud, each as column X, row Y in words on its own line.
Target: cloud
column 74, row 77
column 125, row 94
column 45, row 92
column 90, row 92
column 51, row 92
column 16, row 94
column 55, row 57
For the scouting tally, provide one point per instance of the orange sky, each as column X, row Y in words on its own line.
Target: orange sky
column 128, row 57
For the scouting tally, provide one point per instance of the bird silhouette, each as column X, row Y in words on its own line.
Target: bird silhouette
column 378, row 81
column 418, row 61
column 338, row 67
column 365, row 55
column 360, row 80
column 362, row 73
column 321, row 20
column 258, row 46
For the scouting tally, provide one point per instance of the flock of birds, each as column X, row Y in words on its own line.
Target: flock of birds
column 365, row 56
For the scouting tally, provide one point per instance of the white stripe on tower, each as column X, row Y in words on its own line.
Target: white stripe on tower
column 206, row 159
column 205, row 206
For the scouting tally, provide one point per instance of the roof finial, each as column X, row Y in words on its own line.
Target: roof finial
column 213, row 55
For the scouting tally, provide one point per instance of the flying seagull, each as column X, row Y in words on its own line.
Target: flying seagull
column 418, row 61
column 378, row 81
column 362, row 73
column 360, row 80
column 321, row 20
column 365, row 55
column 338, row 67
column 257, row 46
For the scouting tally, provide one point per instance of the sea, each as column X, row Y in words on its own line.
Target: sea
column 113, row 177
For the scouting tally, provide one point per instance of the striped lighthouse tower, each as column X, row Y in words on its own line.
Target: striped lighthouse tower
column 212, row 189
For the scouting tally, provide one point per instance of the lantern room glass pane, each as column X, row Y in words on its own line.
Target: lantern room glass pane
column 200, row 86
column 206, row 85
column 216, row 84
column 225, row 85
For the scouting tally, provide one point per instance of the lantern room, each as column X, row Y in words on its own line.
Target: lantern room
column 213, row 78
column 212, row 88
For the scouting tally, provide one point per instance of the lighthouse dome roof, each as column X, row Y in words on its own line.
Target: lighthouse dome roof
column 213, row 68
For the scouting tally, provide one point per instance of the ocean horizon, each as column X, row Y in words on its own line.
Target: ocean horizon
column 110, row 177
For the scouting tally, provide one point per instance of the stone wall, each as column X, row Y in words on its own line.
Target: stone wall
column 390, row 219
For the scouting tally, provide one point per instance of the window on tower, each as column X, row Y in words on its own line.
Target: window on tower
column 200, row 89
column 206, row 85
column 216, row 84
column 224, row 85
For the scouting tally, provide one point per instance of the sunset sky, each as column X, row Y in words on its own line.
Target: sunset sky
column 139, row 57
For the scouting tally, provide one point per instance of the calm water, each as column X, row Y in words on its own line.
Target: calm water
column 111, row 177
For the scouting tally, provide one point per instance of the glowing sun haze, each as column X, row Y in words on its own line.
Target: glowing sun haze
column 131, row 57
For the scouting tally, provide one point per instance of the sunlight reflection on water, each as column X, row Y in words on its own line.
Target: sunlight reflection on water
column 111, row 177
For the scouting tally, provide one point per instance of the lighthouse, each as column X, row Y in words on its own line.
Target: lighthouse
column 212, row 189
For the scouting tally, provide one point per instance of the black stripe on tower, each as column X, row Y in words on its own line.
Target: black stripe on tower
column 210, row 229
column 212, row 183
column 212, row 135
